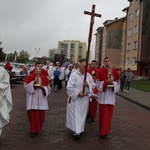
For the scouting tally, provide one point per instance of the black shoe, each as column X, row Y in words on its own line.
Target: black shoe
column 32, row 134
column 76, row 136
column 103, row 136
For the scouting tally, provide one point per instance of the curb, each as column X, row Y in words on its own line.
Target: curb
column 130, row 100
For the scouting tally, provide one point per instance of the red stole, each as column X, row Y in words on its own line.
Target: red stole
column 103, row 76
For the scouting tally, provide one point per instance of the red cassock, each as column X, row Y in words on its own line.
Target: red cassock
column 36, row 117
column 93, row 104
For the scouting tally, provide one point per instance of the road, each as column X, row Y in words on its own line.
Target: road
column 130, row 127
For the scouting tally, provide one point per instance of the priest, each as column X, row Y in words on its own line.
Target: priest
column 78, row 102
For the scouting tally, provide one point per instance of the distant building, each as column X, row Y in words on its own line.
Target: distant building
column 72, row 50
column 52, row 53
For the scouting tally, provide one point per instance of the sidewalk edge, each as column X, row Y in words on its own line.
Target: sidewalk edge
column 137, row 103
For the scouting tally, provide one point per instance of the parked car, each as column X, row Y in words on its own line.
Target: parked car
column 19, row 73
column 18, row 65
column 11, row 74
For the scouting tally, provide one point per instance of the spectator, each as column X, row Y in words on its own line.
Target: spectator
column 129, row 76
column 122, row 79
column 8, row 66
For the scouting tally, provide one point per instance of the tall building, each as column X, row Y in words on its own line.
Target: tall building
column 72, row 50
column 137, row 52
column 130, row 46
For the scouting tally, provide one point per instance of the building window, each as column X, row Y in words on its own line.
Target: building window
column 135, row 45
column 130, row 17
column 133, row 60
column 129, row 47
column 128, row 61
column 135, row 28
column 137, row 12
column 129, row 31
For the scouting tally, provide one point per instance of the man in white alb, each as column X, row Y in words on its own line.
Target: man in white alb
column 78, row 102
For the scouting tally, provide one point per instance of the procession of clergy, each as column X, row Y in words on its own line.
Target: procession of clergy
column 86, row 91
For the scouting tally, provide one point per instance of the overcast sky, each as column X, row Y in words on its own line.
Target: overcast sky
column 30, row 24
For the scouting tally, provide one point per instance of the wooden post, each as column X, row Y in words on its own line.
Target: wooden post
column 92, row 14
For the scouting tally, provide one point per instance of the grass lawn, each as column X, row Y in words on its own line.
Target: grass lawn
column 143, row 85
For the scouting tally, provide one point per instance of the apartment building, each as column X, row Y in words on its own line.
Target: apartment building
column 134, row 48
column 137, row 52
column 72, row 49
column 109, row 38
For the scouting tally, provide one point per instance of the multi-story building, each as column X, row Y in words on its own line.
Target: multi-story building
column 110, row 41
column 135, row 38
column 98, row 45
column 137, row 48
column 72, row 50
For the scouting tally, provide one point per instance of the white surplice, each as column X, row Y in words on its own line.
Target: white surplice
column 5, row 98
column 77, row 107
column 35, row 97
column 108, row 96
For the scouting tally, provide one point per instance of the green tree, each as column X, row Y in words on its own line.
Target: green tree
column 2, row 55
column 23, row 57
column 10, row 57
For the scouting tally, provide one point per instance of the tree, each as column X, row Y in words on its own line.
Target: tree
column 2, row 55
column 23, row 57
column 10, row 57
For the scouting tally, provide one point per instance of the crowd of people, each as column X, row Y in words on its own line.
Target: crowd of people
column 87, row 91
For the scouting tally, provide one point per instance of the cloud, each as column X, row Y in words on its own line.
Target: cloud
column 42, row 23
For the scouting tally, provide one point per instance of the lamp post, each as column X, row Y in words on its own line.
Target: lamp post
column 37, row 51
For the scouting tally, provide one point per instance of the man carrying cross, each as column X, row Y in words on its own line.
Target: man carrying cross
column 78, row 102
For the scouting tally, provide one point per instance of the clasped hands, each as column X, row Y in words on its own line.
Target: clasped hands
column 36, row 82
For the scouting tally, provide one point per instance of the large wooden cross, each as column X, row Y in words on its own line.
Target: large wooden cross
column 92, row 14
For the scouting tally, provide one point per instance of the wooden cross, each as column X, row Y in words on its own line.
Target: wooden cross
column 92, row 14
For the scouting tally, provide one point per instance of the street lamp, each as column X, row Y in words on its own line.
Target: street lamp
column 37, row 51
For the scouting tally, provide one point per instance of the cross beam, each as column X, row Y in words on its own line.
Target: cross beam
column 93, row 15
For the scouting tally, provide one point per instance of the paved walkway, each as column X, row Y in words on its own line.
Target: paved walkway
column 138, row 97
column 130, row 128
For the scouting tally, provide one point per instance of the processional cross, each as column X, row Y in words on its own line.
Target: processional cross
column 92, row 14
